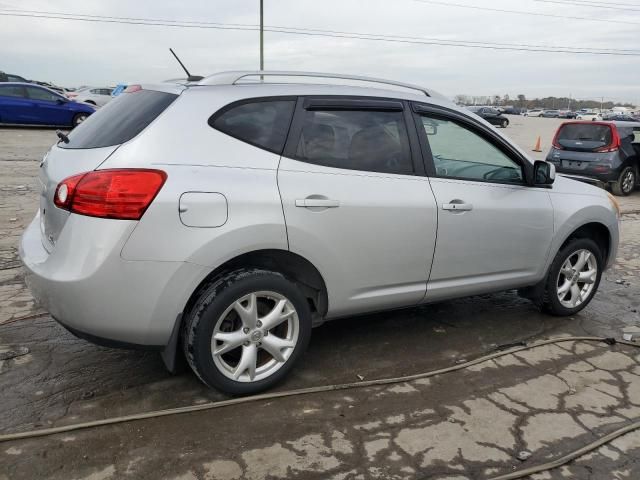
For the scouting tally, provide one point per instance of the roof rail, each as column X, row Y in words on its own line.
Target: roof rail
column 232, row 78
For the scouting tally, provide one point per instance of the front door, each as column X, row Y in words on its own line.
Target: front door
column 356, row 203
column 494, row 231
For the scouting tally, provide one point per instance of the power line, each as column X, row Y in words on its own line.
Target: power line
column 611, row 3
column 321, row 33
column 520, row 12
column 590, row 5
column 247, row 26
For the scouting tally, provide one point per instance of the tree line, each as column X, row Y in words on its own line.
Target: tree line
column 521, row 101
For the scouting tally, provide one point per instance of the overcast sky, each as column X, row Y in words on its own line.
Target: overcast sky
column 72, row 53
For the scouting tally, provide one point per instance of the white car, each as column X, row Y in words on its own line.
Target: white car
column 94, row 96
column 591, row 116
column 536, row 112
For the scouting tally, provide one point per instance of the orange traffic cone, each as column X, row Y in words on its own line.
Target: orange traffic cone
column 537, row 147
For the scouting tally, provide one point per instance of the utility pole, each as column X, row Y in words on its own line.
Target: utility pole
column 261, row 35
column 601, row 103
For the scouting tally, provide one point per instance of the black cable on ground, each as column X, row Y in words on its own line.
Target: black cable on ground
column 348, row 386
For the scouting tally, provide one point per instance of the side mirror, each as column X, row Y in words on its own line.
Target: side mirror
column 430, row 128
column 61, row 101
column 544, row 173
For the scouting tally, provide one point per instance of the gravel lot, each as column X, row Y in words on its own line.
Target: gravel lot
column 465, row 425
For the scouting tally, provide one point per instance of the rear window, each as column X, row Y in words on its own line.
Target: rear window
column 264, row 124
column 358, row 140
column 120, row 120
column 583, row 136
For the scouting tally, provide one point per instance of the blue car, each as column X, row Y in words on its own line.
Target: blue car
column 29, row 104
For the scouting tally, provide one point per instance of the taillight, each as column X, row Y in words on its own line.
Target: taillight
column 555, row 142
column 123, row 194
column 615, row 142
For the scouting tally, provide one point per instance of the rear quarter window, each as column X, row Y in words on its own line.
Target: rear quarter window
column 263, row 123
column 120, row 120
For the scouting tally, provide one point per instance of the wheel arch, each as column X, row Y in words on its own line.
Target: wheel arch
column 596, row 231
column 293, row 266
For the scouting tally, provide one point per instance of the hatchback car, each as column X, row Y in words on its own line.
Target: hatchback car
column 491, row 115
column 551, row 114
column 29, row 104
column 606, row 151
column 229, row 216
column 94, row 96
column 535, row 112
column 567, row 114
column 592, row 116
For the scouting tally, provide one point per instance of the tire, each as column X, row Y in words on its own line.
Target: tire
column 626, row 182
column 217, row 312
column 559, row 277
column 504, row 123
column 78, row 118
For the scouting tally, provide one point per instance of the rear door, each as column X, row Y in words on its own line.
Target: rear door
column 494, row 231
column 357, row 203
column 14, row 106
column 49, row 108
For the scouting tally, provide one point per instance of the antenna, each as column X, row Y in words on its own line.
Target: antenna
column 190, row 78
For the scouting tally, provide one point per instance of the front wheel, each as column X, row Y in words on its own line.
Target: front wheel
column 246, row 331
column 626, row 182
column 79, row 118
column 573, row 278
column 505, row 123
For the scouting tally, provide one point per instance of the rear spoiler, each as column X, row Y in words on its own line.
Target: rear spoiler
column 590, row 181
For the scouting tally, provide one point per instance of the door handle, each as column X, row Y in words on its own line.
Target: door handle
column 317, row 202
column 457, row 207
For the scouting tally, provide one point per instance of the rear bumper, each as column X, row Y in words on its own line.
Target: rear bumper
column 607, row 176
column 604, row 178
column 93, row 292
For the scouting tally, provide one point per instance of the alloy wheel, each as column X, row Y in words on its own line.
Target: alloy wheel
column 255, row 336
column 576, row 278
column 628, row 181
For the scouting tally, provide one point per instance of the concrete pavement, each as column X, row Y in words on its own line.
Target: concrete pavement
column 470, row 424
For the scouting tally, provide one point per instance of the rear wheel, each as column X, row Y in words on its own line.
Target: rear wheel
column 246, row 331
column 504, row 123
column 626, row 182
column 573, row 278
column 79, row 118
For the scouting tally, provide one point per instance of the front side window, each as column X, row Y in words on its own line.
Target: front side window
column 12, row 91
column 357, row 140
column 41, row 94
column 461, row 153
column 264, row 124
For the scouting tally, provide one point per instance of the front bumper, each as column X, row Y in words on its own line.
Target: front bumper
column 92, row 291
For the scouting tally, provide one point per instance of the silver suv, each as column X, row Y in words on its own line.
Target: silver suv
column 229, row 216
